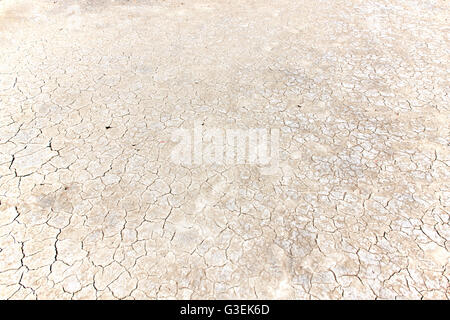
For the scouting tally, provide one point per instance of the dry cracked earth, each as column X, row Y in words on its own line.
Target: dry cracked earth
column 91, row 207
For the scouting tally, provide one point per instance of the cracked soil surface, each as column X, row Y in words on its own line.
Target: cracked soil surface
column 92, row 208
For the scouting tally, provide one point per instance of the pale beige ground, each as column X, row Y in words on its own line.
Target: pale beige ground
column 92, row 207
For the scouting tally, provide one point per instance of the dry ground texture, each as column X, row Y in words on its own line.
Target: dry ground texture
column 93, row 208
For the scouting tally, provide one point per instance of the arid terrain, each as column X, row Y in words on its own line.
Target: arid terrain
column 92, row 205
